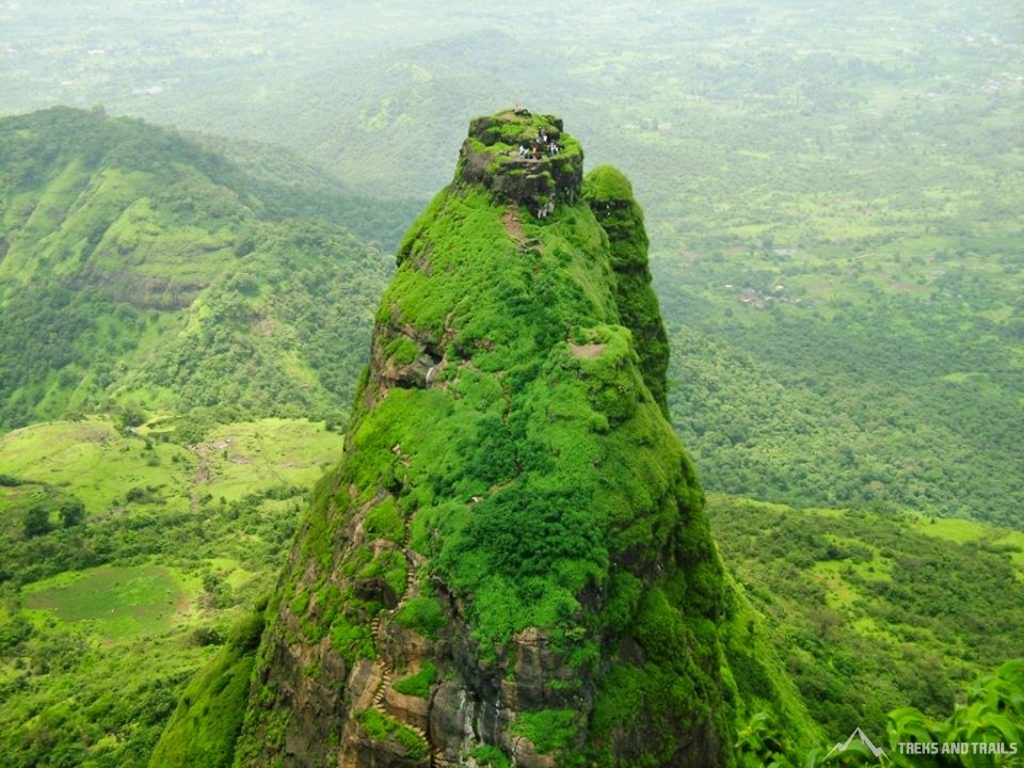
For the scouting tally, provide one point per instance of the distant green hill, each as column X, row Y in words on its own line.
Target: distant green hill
column 141, row 270
column 900, row 392
column 875, row 612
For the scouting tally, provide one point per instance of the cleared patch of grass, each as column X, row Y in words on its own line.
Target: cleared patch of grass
column 419, row 683
column 120, row 603
column 99, row 464
column 94, row 461
column 243, row 458
column 964, row 531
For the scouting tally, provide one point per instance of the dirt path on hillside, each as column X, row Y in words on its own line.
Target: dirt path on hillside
column 512, row 224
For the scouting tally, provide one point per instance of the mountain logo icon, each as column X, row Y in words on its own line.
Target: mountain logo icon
column 858, row 734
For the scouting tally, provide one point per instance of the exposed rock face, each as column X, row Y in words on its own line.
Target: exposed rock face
column 511, row 565
column 522, row 158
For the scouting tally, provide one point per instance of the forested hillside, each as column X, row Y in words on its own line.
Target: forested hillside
column 875, row 611
column 143, row 273
column 159, row 302
column 863, row 157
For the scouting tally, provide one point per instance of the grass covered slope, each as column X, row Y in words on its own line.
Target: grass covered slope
column 209, row 714
column 124, row 564
column 513, row 513
column 139, row 268
column 610, row 196
column 875, row 612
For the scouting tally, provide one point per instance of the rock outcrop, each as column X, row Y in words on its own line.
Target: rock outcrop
column 523, row 158
column 511, row 565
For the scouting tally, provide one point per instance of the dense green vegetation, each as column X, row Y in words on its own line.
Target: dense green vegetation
column 140, row 270
column 900, row 401
column 610, row 196
column 505, row 415
column 210, row 711
column 993, row 716
column 144, row 275
column 103, row 621
column 982, row 731
column 874, row 611
column 831, row 192
column 862, row 156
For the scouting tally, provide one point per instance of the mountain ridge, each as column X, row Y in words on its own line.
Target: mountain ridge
column 141, row 269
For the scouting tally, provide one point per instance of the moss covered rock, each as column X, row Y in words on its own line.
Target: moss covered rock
column 513, row 513
column 610, row 196
column 524, row 158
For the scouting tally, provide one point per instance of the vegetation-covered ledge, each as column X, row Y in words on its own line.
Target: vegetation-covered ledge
column 522, row 157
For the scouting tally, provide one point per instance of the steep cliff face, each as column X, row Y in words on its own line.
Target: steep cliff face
column 610, row 196
column 511, row 564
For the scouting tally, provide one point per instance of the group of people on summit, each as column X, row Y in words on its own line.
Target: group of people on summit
column 543, row 143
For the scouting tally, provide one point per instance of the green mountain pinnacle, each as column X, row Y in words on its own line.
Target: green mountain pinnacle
column 511, row 565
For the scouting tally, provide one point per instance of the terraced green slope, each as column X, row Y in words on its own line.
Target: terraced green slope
column 107, row 614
